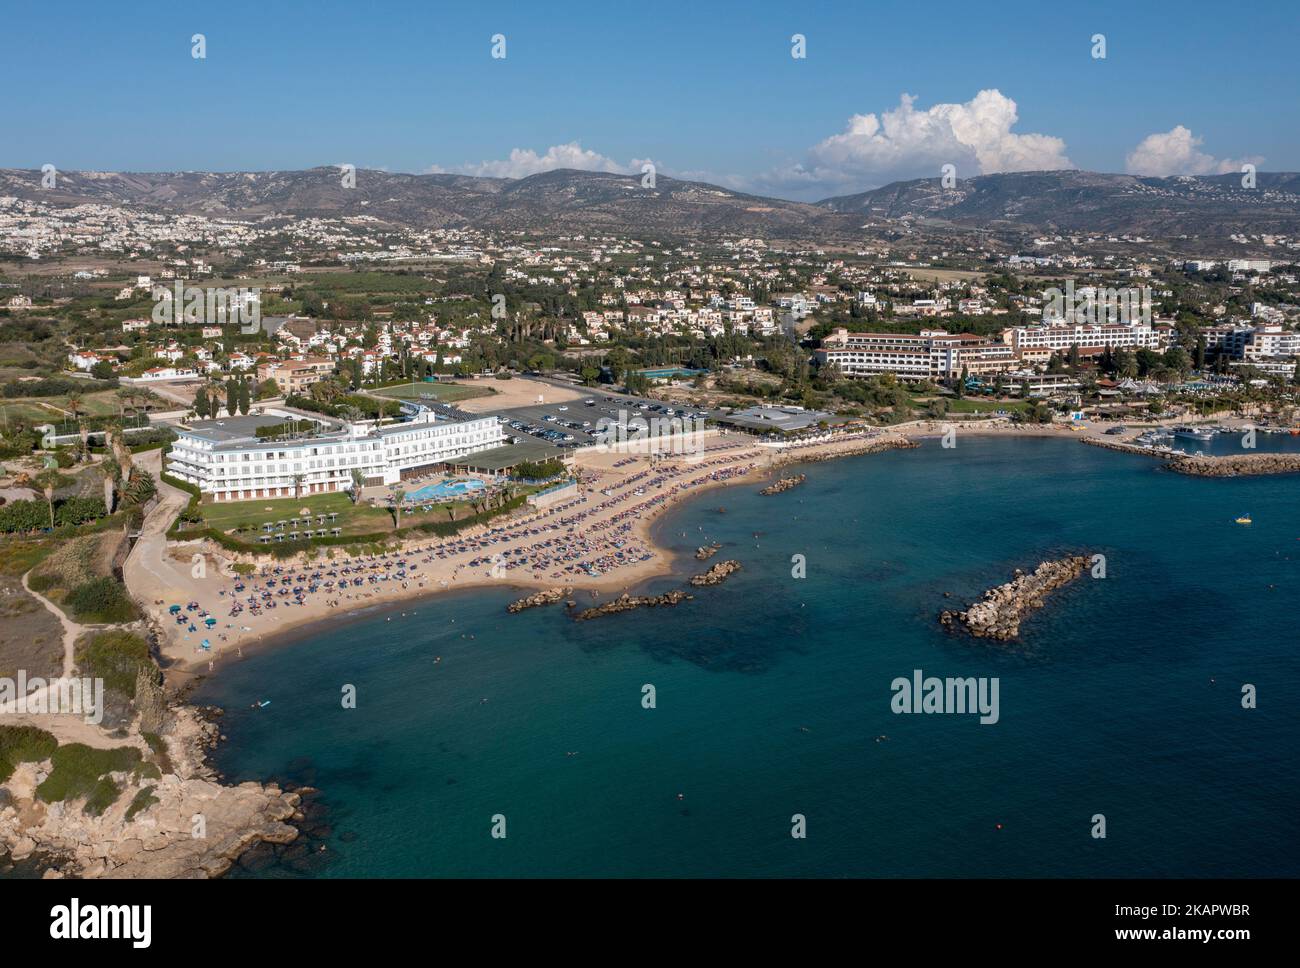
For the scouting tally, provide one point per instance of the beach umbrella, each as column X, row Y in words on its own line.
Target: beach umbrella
column 210, row 622
column 174, row 609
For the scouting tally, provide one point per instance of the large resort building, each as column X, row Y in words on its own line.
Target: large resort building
column 228, row 461
column 932, row 354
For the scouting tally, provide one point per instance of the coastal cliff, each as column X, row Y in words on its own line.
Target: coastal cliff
column 999, row 613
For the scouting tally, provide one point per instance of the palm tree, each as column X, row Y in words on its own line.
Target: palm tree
column 399, row 496
column 358, row 482
column 48, row 481
column 297, row 485
column 74, row 404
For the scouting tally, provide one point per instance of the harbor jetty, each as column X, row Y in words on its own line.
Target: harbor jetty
column 1202, row 465
column 846, row 445
column 999, row 613
column 784, row 484
column 1237, row 465
column 717, row 574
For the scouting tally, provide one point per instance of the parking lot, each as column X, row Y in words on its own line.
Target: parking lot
column 574, row 423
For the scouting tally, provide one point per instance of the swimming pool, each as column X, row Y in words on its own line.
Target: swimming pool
column 444, row 490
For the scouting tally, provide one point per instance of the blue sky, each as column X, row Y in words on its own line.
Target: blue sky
column 702, row 89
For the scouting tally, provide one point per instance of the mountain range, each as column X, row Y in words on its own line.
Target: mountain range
column 565, row 200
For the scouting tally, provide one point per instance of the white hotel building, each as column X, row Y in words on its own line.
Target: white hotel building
column 928, row 355
column 1035, row 344
column 227, row 461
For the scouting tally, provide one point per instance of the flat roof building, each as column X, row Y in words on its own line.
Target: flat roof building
column 227, row 461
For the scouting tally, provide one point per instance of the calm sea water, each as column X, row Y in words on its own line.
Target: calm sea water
column 1123, row 697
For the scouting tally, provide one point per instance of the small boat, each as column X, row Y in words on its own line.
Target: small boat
column 1244, row 519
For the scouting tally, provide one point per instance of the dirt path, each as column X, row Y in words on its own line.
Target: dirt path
column 71, row 630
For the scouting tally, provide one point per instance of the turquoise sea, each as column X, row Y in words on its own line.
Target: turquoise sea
column 1123, row 697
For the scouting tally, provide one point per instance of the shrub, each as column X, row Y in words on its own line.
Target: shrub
column 101, row 600
column 23, row 744
column 116, row 657
column 143, row 800
column 103, row 796
column 77, row 769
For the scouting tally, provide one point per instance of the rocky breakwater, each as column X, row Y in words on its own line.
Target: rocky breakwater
column 784, row 484
column 548, row 596
column 849, row 446
column 625, row 603
column 999, row 613
column 156, row 810
column 1237, row 465
column 717, row 574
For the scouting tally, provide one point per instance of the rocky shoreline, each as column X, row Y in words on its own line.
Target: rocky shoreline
column 999, row 613
column 784, row 484
column 717, row 574
column 149, row 829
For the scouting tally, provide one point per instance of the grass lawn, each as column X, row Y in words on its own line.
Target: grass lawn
column 353, row 519
column 442, row 392
column 977, row 405
column 56, row 410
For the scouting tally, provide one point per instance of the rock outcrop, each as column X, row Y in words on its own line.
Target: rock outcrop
column 705, row 552
column 999, row 613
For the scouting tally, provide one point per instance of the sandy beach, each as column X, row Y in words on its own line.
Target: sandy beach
column 597, row 543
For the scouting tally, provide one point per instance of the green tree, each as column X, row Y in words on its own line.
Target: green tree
column 201, row 406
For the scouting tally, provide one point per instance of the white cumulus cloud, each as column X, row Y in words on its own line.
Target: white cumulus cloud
column 976, row 136
column 523, row 162
column 1174, row 152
